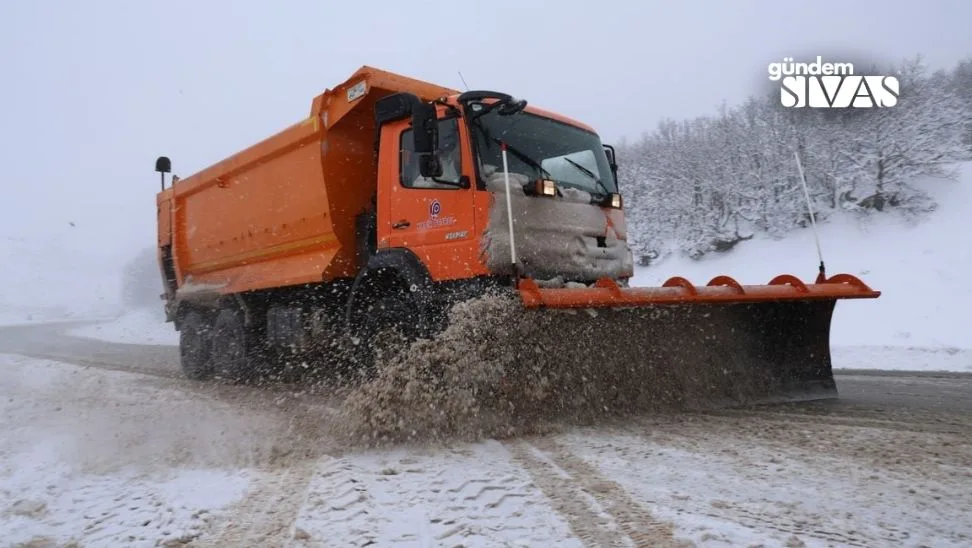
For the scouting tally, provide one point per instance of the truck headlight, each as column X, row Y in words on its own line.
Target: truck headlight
column 546, row 187
column 541, row 187
column 612, row 200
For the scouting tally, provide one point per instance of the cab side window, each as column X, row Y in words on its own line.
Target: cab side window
column 449, row 156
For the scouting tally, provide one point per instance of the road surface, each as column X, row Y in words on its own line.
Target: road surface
column 860, row 390
column 888, row 463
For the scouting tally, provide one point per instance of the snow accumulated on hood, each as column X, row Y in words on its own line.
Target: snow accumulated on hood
column 565, row 237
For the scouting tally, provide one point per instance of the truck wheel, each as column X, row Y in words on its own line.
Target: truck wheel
column 231, row 357
column 395, row 322
column 194, row 347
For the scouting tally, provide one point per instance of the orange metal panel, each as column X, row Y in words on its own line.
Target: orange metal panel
column 282, row 211
column 447, row 238
column 257, row 213
column 301, row 268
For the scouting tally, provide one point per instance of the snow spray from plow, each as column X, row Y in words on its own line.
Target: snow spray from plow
column 509, row 365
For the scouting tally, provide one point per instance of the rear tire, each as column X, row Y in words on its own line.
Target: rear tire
column 194, row 346
column 232, row 347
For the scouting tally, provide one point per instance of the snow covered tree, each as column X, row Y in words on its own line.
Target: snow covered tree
column 960, row 83
column 892, row 147
column 703, row 185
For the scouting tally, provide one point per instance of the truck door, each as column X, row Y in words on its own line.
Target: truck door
column 433, row 220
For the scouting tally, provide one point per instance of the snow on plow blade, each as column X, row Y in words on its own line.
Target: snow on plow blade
column 722, row 341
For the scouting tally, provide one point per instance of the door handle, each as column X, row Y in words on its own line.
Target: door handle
column 401, row 224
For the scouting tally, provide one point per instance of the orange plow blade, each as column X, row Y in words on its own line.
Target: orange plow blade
column 720, row 342
column 678, row 290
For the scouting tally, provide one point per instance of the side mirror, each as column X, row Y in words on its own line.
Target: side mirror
column 612, row 162
column 425, row 138
column 512, row 107
column 609, row 152
column 163, row 165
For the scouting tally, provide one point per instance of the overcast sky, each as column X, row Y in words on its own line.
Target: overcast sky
column 93, row 91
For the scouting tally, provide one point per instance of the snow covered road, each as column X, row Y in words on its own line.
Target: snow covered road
column 105, row 444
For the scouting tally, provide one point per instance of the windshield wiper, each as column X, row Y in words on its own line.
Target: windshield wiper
column 590, row 174
column 515, row 151
column 526, row 159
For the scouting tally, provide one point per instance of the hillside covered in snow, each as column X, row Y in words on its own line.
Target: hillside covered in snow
column 920, row 266
column 706, row 184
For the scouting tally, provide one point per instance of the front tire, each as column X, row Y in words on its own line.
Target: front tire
column 389, row 325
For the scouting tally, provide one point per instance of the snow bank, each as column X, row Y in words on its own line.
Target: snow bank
column 920, row 268
column 139, row 326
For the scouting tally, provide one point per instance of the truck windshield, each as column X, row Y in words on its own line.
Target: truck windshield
column 542, row 147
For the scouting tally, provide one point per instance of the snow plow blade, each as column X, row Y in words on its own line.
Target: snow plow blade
column 722, row 341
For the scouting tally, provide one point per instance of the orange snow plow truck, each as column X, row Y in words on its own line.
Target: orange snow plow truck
column 396, row 199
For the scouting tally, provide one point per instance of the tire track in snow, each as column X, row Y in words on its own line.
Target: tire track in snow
column 266, row 515
column 917, row 441
column 469, row 503
column 800, row 526
column 454, row 497
column 790, row 477
column 478, row 495
column 599, row 511
column 339, row 508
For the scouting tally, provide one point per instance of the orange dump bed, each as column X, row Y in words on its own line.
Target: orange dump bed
column 282, row 212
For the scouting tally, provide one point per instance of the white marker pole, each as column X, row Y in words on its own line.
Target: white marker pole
column 509, row 210
column 813, row 220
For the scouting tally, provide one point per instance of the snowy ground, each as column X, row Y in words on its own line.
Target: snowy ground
column 103, row 458
column 87, row 456
column 139, row 326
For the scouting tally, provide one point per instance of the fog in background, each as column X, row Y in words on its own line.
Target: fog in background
column 93, row 92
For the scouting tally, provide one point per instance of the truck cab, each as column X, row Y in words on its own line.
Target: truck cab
column 452, row 172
